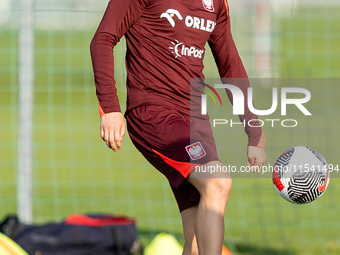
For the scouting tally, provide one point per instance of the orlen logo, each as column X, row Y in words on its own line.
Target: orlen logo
column 179, row 49
column 169, row 14
column 191, row 22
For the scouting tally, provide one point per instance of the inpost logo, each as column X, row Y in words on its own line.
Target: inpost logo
column 239, row 105
column 180, row 49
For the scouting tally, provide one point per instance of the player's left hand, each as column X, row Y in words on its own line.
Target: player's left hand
column 112, row 129
column 256, row 158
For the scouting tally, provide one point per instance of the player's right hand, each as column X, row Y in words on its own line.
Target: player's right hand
column 112, row 129
column 256, row 158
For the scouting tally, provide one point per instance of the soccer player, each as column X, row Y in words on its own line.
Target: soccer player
column 165, row 48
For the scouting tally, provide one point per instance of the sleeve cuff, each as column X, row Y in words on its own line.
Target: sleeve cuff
column 262, row 141
column 102, row 112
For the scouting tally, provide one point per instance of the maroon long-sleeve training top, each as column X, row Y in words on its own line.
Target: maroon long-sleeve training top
column 165, row 48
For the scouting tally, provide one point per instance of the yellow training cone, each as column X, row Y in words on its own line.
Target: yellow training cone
column 9, row 247
column 163, row 244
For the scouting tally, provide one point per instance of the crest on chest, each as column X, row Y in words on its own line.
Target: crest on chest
column 208, row 5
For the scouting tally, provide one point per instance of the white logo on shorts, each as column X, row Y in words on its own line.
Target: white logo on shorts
column 195, row 151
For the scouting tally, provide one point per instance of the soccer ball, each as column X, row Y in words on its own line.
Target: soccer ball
column 301, row 175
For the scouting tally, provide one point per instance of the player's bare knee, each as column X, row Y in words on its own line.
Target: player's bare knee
column 217, row 189
column 223, row 186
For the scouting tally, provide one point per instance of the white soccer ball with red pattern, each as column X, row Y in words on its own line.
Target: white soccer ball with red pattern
column 301, row 175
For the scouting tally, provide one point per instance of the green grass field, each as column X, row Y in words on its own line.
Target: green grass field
column 75, row 172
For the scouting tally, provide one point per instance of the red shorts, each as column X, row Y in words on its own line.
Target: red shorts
column 174, row 144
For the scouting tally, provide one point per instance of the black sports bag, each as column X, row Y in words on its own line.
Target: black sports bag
column 77, row 235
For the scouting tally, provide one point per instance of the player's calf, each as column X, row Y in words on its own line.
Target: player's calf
column 188, row 220
column 190, row 248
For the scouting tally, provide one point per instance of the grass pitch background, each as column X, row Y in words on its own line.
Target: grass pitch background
column 75, row 172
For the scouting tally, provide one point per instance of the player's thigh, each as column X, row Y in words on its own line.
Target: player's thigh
column 174, row 144
column 211, row 179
